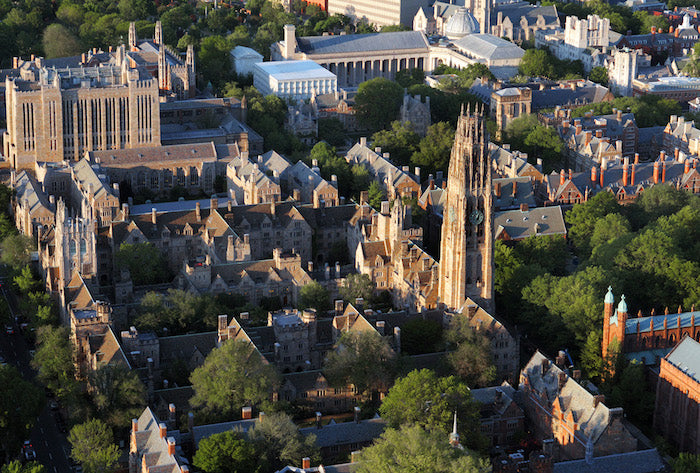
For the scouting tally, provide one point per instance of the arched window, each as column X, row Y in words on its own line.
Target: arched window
column 83, row 247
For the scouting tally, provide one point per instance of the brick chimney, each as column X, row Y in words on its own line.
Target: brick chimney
column 662, row 155
column 588, row 136
column 632, row 178
column 562, row 177
column 686, row 168
column 198, row 211
column 497, row 190
column 602, row 176
column 171, row 446
column 134, row 425
column 656, row 172
column 515, row 188
column 599, row 133
column 153, row 216
column 636, row 158
column 624, row 174
column 305, row 463
column 162, row 430
column 676, row 153
column 598, row 399
column 594, row 176
column 663, row 172
column 571, row 175
column 247, row 412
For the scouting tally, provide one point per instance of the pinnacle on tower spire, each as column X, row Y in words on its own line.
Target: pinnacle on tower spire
column 609, row 298
column 454, row 436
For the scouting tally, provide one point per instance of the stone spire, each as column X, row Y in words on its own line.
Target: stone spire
column 158, row 35
column 133, row 39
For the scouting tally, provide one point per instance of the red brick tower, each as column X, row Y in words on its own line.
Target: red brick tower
column 614, row 322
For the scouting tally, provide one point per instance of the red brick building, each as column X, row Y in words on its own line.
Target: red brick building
column 676, row 415
column 559, row 408
column 645, row 333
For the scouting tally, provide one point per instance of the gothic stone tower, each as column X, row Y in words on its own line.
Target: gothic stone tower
column 481, row 9
column 466, row 246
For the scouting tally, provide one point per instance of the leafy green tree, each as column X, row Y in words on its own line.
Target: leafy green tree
column 582, row 219
column 409, row 77
column 54, row 360
column 647, row 21
column 536, row 63
column 545, row 142
column 226, row 452
column 332, row 131
column 232, row 376
column 422, row 398
column 413, row 449
column 420, row 336
column 549, row 252
column 25, row 280
column 363, row 359
column 377, row 103
column 58, row 41
column 117, row 393
column 357, row 286
column 400, row 142
column 649, row 110
column 471, row 355
column 20, row 404
column 361, row 179
column 591, row 356
column 315, row 296
column 599, row 74
column 144, row 261
column 93, row 447
column 331, row 164
column 628, row 392
column 214, row 60
column 433, row 153
column 279, row 443
column 16, row 466
column 16, row 250
column 7, row 227
column 136, row 9
column 686, row 463
column 376, row 195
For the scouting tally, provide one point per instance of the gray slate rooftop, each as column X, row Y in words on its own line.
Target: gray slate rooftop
column 357, row 43
column 643, row 461
column 686, row 357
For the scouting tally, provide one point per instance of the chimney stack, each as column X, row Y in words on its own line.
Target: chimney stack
column 594, row 176
column 318, row 420
column 247, row 412
column 633, row 169
column 171, row 446
column 624, row 174
column 306, row 463
column 198, row 211
column 356, row 414
column 656, row 172
column 562, row 177
column 686, row 168
column 663, row 172
column 153, row 216
column 163, row 430
column 636, row 158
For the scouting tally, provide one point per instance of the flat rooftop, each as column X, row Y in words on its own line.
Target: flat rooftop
column 294, row 70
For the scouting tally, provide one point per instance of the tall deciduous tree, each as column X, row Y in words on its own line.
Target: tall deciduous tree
column 54, row 360
column 363, row 359
column 471, row 358
column 118, row 394
column 425, row 399
column 377, row 102
column 93, row 447
column 16, row 466
column 400, row 141
column 357, row 286
column 20, row 404
column 144, row 261
column 583, row 218
column 232, row 376
column 17, row 250
column 58, row 41
column 411, row 449
column 226, row 452
column 279, row 442
column 315, row 296
column 433, row 152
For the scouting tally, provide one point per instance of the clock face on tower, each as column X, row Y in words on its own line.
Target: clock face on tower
column 476, row 217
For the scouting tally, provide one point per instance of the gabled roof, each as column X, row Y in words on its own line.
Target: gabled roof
column 346, row 433
column 28, row 189
column 108, row 346
column 642, row 461
column 686, row 357
column 519, row 224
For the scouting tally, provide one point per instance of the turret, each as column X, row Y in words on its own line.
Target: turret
column 158, row 35
column 133, row 39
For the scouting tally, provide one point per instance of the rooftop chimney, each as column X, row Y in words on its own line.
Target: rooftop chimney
column 163, row 430
column 198, row 211
column 247, row 412
column 306, row 463
column 319, row 416
column 594, row 175
column 356, row 414
column 153, row 216
column 171, row 446
column 656, row 172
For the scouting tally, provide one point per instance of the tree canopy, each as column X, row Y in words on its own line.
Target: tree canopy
column 411, row 449
column 118, row 394
column 363, row 359
column 54, row 360
column 232, row 376
column 315, row 296
column 425, row 399
column 226, row 452
column 471, row 352
column 20, row 404
column 377, row 103
column 526, row 134
column 93, row 447
column 144, row 261
column 278, row 443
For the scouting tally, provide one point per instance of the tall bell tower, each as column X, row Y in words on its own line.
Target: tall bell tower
column 466, row 245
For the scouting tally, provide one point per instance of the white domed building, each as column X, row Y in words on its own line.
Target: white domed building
column 461, row 24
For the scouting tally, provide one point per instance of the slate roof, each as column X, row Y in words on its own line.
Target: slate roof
column 645, row 323
column 177, row 206
column 204, row 431
column 183, row 346
column 551, row 97
column 573, row 398
column 524, row 193
column 108, row 345
column 518, row 224
column 346, row 432
column 515, row 11
column 362, row 43
column 27, row 187
column 196, row 152
column 489, row 47
column 642, row 461
column 686, row 357
column 84, row 173
column 154, row 449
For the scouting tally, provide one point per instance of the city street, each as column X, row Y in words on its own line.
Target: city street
column 49, row 443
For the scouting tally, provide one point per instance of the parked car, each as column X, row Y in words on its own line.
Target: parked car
column 9, row 329
column 28, row 451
